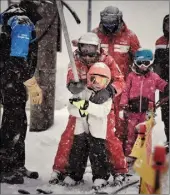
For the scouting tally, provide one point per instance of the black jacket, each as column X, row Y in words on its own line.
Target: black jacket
column 24, row 67
column 161, row 63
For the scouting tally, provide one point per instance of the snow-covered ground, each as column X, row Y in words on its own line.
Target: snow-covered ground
column 40, row 151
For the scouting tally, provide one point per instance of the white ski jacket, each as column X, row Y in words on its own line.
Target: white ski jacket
column 96, row 120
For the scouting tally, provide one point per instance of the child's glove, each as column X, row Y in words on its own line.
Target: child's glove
column 83, row 113
column 82, row 105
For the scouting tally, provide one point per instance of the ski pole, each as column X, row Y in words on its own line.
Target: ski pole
column 161, row 101
column 67, row 39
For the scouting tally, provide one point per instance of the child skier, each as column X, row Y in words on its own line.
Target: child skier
column 91, row 109
column 140, row 89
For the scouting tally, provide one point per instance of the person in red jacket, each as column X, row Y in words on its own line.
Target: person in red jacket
column 161, row 67
column 119, row 42
column 88, row 53
column 141, row 85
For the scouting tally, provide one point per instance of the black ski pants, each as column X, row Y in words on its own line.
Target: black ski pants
column 165, row 116
column 14, row 122
column 84, row 146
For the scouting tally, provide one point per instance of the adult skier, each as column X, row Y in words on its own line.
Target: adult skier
column 18, row 60
column 161, row 67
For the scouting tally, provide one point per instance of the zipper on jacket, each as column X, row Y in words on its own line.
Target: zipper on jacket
column 141, row 87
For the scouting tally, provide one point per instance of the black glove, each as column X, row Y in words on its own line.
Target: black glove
column 76, row 87
column 103, row 95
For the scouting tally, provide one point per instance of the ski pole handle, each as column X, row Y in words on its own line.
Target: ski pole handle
column 67, row 39
column 159, row 158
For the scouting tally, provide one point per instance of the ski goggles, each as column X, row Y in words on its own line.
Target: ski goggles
column 98, row 79
column 144, row 63
column 88, row 50
column 110, row 24
column 88, row 54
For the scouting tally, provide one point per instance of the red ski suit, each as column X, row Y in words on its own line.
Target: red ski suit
column 114, row 146
column 121, row 46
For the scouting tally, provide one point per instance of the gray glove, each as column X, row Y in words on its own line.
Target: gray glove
column 76, row 87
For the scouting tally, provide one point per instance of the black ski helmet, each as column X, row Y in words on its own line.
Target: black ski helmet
column 111, row 19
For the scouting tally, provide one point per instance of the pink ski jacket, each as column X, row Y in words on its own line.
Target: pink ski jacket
column 142, row 87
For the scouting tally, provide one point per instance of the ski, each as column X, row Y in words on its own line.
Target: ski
column 38, row 191
column 125, row 187
column 41, row 191
column 22, row 191
column 119, row 189
column 100, row 192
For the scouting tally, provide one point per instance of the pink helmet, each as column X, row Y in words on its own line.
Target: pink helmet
column 98, row 76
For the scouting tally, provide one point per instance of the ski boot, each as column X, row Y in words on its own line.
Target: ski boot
column 11, row 178
column 56, row 177
column 130, row 161
column 98, row 184
column 26, row 173
column 68, row 181
column 119, row 179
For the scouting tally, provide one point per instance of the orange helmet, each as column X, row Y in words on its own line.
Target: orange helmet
column 98, row 76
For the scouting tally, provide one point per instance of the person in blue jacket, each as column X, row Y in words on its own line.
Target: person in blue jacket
column 18, row 60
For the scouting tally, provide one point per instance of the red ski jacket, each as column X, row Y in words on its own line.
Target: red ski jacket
column 121, row 46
